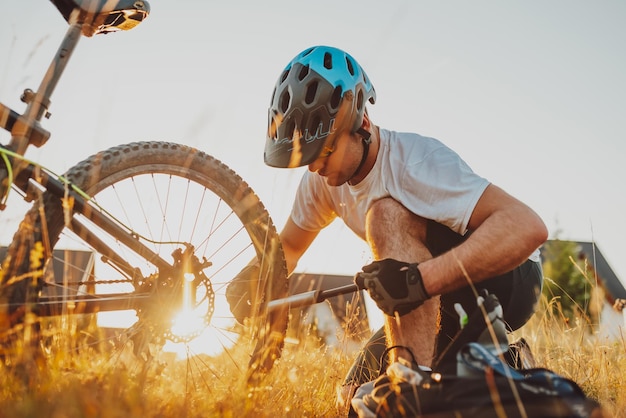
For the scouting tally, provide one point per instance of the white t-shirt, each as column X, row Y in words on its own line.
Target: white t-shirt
column 423, row 174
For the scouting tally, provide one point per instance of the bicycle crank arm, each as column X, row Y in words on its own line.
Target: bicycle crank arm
column 310, row 298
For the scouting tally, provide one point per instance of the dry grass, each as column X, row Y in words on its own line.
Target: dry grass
column 575, row 351
column 96, row 385
column 303, row 384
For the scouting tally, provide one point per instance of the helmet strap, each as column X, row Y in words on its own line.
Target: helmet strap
column 366, row 141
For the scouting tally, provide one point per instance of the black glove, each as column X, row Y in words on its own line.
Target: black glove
column 394, row 285
column 239, row 292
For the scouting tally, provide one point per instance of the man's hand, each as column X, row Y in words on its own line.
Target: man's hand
column 240, row 290
column 394, row 285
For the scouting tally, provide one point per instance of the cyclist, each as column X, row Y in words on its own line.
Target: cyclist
column 433, row 225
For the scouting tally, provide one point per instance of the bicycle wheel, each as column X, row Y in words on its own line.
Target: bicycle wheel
column 176, row 200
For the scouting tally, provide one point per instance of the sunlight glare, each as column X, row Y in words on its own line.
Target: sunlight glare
column 211, row 340
column 187, row 323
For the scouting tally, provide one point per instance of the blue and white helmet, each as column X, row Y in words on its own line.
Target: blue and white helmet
column 322, row 91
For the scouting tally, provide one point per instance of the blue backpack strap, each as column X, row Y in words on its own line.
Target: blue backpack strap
column 475, row 359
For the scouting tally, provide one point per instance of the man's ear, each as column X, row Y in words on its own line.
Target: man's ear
column 366, row 124
column 364, row 130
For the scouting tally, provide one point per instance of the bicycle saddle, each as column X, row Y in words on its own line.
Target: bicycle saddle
column 103, row 16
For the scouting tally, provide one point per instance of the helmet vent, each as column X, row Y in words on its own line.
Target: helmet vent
column 303, row 73
column 284, row 102
column 311, row 91
column 350, row 66
column 283, row 76
column 335, row 99
column 359, row 100
column 328, row 61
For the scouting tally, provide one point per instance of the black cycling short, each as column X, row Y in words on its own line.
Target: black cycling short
column 518, row 292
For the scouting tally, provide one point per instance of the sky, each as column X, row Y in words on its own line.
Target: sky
column 532, row 94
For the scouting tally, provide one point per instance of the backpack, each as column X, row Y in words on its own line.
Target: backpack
column 489, row 381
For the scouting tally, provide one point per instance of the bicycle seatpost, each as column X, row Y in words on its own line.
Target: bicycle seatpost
column 38, row 102
column 25, row 129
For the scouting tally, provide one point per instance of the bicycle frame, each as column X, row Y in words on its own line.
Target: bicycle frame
column 85, row 19
column 155, row 213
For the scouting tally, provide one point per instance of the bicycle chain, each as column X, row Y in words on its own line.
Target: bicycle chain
column 94, row 282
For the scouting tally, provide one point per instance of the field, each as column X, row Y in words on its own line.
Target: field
column 303, row 384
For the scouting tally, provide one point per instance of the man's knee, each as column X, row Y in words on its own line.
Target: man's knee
column 388, row 221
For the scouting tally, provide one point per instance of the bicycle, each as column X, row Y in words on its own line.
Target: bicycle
column 169, row 226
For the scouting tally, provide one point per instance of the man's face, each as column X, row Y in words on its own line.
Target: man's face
column 339, row 159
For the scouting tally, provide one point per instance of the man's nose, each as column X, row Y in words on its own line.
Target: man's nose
column 316, row 165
